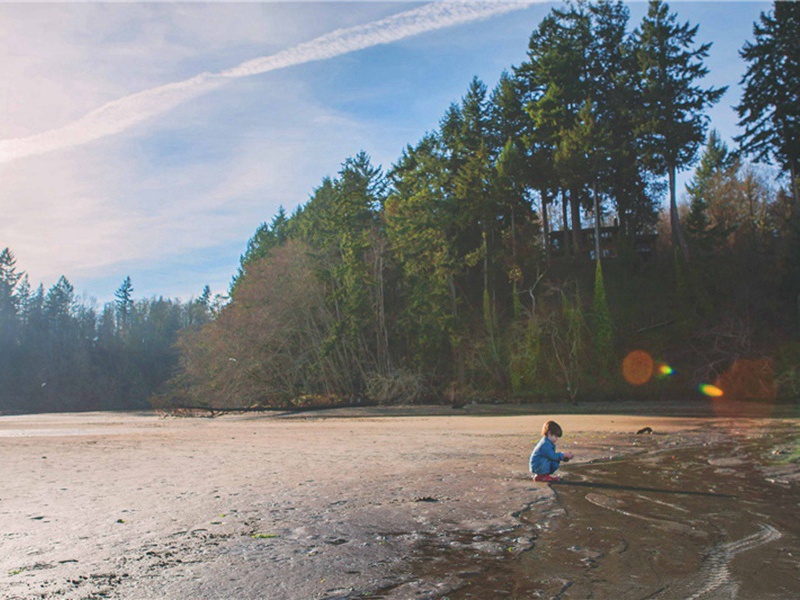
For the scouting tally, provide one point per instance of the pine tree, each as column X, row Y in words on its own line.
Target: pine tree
column 715, row 160
column 673, row 123
column 622, row 177
column 59, row 302
column 9, row 300
column 769, row 110
column 421, row 226
column 559, row 81
column 266, row 237
column 10, row 324
column 124, row 301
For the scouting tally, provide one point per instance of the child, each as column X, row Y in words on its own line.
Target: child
column 544, row 458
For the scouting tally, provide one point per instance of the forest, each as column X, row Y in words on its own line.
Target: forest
column 63, row 353
column 517, row 253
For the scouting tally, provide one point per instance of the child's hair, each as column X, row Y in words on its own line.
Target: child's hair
column 552, row 427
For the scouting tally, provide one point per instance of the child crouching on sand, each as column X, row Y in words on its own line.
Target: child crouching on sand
column 544, row 458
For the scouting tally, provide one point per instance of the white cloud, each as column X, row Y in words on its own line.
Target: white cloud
column 126, row 112
column 59, row 61
column 104, row 205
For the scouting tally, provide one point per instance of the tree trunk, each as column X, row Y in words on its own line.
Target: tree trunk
column 674, row 220
column 596, row 224
column 567, row 248
column 545, row 226
column 382, row 332
column 575, row 210
column 485, row 263
column 458, row 349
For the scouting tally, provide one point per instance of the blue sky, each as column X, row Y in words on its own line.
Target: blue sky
column 132, row 141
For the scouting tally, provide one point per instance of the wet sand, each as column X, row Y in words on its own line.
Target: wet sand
column 389, row 504
column 711, row 515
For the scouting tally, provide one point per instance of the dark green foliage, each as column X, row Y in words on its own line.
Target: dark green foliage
column 715, row 163
column 602, row 325
column 673, row 122
column 770, row 107
column 582, row 92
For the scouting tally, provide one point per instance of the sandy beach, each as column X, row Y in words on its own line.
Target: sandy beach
column 383, row 503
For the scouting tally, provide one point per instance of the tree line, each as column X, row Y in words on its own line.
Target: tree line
column 63, row 353
column 464, row 270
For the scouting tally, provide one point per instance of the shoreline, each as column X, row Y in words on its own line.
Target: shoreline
column 696, row 407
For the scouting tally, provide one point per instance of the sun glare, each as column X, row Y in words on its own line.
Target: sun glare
column 637, row 367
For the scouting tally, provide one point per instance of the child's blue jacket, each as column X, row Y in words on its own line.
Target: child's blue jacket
column 544, row 458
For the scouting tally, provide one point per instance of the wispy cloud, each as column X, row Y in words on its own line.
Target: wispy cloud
column 129, row 111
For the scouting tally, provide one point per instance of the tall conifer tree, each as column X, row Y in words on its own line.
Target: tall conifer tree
column 673, row 123
column 770, row 107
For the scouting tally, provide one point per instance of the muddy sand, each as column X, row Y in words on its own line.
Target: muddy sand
column 398, row 504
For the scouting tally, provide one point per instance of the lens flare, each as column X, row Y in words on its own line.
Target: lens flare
column 637, row 367
column 663, row 370
column 711, row 391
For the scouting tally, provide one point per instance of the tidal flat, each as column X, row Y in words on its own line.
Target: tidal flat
column 424, row 502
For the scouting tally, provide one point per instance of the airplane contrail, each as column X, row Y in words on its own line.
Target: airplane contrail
column 126, row 112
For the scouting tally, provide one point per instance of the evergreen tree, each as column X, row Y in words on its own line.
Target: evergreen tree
column 341, row 224
column 580, row 152
column 475, row 119
column 23, row 296
column 517, row 176
column 59, row 301
column 538, row 147
column 769, row 110
column 33, row 309
column 199, row 310
column 9, row 299
column 520, row 232
column 508, row 120
column 714, row 162
column 420, row 224
column 559, row 81
column 10, row 322
column 467, row 152
column 205, row 298
column 673, row 123
column 124, row 301
column 616, row 97
column 582, row 96
column 266, row 237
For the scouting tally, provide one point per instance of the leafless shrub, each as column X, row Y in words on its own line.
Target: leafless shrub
column 716, row 348
column 398, row 387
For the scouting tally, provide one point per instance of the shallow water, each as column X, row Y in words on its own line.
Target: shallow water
column 711, row 520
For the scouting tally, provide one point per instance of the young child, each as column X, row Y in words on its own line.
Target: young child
column 544, row 458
